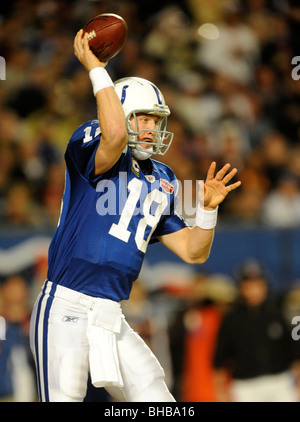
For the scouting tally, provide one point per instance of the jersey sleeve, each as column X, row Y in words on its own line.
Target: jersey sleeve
column 168, row 225
column 82, row 148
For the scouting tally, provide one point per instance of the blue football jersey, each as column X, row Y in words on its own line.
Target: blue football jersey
column 107, row 221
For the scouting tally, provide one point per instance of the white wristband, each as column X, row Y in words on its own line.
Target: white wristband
column 100, row 79
column 206, row 219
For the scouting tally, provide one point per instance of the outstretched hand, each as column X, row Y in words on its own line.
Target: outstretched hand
column 84, row 53
column 215, row 188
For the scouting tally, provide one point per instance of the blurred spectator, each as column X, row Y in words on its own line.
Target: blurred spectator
column 14, row 294
column 51, row 194
column 281, row 207
column 291, row 302
column 39, row 277
column 230, row 142
column 207, row 10
column 275, row 155
column 20, row 208
column 269, row 91
column 199, row 109
column 255, row 349
column 291, row 310
column 16, row 366
column 234, row 49
column 193, row 333
column 244, row 208
column 171, row 41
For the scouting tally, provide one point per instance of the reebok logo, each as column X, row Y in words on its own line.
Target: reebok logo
column 68, row 318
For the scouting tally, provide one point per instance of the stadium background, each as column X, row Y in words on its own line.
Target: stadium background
column 228, row 71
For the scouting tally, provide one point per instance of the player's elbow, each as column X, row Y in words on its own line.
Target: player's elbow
column 120, row 133
column 197, row 259
column 201, row 259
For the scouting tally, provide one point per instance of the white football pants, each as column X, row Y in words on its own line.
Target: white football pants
column 72, row 335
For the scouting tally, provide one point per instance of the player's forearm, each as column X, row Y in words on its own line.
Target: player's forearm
column 110, row 111
column 113, row 130
column 111, row 119
column 199, row 244
column 200, row 237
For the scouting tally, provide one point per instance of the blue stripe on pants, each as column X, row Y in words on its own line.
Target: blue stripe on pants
column 42, row 367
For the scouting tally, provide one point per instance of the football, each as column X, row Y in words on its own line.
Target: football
column 107, row 35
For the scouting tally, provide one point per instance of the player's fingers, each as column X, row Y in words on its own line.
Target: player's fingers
column 78, row 42
column 85, row 43
column 229, row 176
column 233, row 186
column 78, row 37
column 211, row 171
column 201, row 189
column 75, row 42
column 221, row 173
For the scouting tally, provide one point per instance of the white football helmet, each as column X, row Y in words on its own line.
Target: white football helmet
column 138, row 95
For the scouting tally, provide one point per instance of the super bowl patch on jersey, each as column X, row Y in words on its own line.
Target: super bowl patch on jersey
column 166, row 186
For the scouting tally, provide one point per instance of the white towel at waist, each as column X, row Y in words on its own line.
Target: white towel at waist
column 104, row 323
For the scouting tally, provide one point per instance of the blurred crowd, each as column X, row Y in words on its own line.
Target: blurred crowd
column 228, row 71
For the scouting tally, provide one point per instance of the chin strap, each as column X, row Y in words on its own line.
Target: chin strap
column 140, row 153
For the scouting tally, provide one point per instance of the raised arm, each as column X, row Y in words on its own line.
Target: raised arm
column 110, row 112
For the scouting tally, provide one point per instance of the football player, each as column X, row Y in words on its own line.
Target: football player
column 117, row 199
